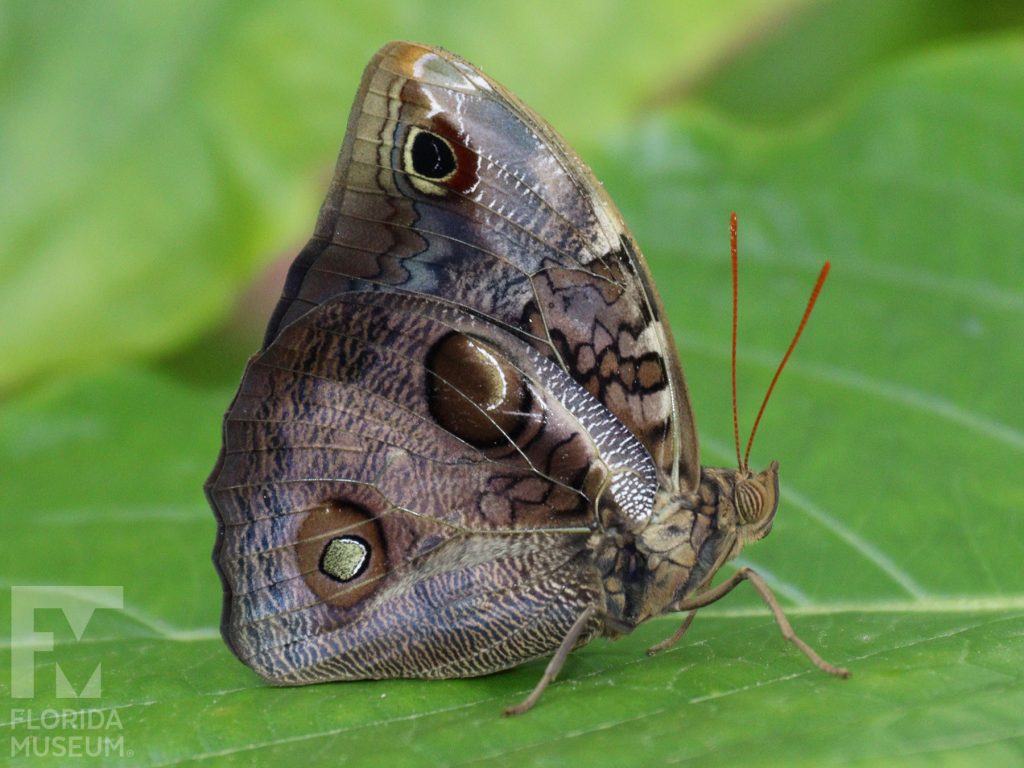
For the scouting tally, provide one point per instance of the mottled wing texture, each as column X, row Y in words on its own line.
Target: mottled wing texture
column 407, row 490
column 447, row 185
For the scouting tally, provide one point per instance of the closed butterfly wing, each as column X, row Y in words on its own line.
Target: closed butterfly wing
column 407, row 490
column 447, row 185
column 466, row 442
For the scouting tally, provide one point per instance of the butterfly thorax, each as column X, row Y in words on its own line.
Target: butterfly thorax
column 691, row 534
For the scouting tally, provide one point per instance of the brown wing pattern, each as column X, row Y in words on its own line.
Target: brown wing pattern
column 380, row 516
column 447, row 185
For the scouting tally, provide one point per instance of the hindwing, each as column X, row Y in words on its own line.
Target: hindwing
column 406, row 489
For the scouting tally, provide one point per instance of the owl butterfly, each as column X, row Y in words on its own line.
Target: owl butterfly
column 466, row 442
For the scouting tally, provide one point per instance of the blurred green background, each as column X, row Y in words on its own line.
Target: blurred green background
column 161, row 165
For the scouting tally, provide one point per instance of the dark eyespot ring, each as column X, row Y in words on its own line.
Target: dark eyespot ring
column 432, row 156
column 428, row 158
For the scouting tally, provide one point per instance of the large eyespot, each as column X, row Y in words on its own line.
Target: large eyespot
column 341, row 552
column 474, row 393
column 428, row 158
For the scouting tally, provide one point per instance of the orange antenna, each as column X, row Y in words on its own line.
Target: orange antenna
column 792, row 346
column 735, row 319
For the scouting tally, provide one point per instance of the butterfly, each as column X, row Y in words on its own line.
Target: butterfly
column 467, row 441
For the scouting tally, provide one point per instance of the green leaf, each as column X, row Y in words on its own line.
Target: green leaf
column 899, row 426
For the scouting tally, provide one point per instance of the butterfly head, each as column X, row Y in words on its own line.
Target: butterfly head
column 755, row 497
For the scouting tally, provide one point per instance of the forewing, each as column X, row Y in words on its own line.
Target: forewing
column 447, row 185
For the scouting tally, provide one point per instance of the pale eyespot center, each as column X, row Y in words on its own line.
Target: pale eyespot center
column 428, row 159
column 345, row 557
column 341, row 549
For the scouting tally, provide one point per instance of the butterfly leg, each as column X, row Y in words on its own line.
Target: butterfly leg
column 746, row 574
column 664, row 645
column 555, row 665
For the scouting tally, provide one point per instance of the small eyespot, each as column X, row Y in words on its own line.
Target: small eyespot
column 428, row 159
column 432, row 156
column 341, row 552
